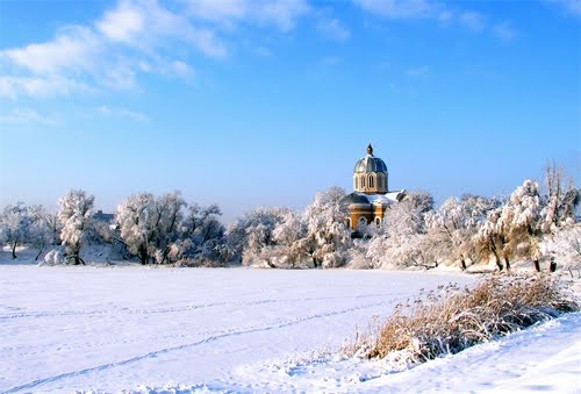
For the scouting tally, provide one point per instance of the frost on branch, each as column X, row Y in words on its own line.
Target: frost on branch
column 281, row 238
column 160, row 230
column 75, row 215
column 402, row 241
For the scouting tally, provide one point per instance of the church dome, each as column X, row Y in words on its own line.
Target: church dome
column 370, row 174
column 370, row 163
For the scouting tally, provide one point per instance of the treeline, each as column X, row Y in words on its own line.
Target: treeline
column 534, row 225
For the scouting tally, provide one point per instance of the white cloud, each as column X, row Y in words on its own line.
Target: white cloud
column 571, row 7
column 504, row 31
column 134, row 37
column 26, row 116
column 122, row 112
column 331, row 61
column 146, row 25
column 219, row 11
column 261, row 50
column 13, row 87
column 421, row 72
column 280, row 13
column 434, row 10
column 472, row 20
column 207, row 42
column 122, row 24
column 181, row 70
column 402, row 9
column 333, row 29
column 73, row 49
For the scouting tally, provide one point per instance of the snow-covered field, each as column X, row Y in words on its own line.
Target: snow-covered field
column 242, row 330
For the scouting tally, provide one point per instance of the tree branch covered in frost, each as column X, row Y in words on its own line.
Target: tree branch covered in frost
column 76, row 218
column 159, row 230
column 25, row 224
column 530, row 224
column 402, row 240
column 516, row 228
column 280, row 238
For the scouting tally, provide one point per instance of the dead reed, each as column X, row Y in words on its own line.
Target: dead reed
column 453, row 319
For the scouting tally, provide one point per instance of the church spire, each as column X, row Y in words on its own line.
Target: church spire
column 370, row 150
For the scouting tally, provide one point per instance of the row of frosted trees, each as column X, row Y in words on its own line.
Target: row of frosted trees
column 528, row 225
column 152, row 229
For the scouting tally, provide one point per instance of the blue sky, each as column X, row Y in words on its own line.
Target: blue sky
column 264, row 103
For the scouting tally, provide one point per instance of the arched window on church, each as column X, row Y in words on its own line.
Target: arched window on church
column 378, row 222
column 371, row 181
column 356, row 183
column 362, row 181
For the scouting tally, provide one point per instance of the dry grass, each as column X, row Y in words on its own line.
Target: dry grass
column 435, row 325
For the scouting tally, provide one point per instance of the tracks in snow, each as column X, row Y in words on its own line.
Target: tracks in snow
column 211, row 338
column 146, row 311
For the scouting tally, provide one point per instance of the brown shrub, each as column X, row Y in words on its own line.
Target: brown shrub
column 440, row 324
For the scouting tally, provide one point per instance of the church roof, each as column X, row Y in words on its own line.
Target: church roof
column 370, row 163
column 384, row 199
column 356, row 198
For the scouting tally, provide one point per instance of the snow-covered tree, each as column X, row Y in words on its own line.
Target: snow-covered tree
column 327, row 235
column 149, row 226
column 201, row 235
column 75, row 215
column 22, row 224
column 281, row 238
column 511, row 229
column 162, row 231
column 42, row 231
column 560, row 202
column 251, row 234
column 291, row 242
column 453, row 225
column 564, row 247
column 136, row 221
column 401, row 241
column 16, row 224
column 168, row 217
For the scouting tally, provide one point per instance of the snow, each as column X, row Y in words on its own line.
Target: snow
column 141, row 329
column 387, row 198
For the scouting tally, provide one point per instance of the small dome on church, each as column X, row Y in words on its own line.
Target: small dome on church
column 370, row 163
column 355, row 198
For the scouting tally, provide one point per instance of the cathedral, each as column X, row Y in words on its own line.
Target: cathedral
column 371, row 196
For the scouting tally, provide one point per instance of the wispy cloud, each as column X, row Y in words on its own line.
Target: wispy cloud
column 402, row 9
column 443, row 13
column 472, row 20
column 331, row 61
column 333, row 29
column 147, row 26
column 504, row 31
column 12, row 86
column 23, row 116
column 282, row 14
column 134, row 37
column 106, row 110
column 421, row 72
column 570, row 7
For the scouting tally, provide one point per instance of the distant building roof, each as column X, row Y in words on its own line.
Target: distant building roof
column 104, row 217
